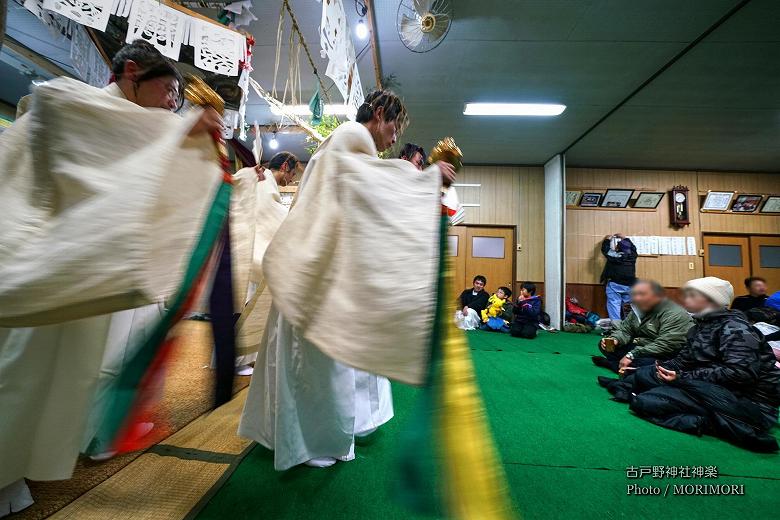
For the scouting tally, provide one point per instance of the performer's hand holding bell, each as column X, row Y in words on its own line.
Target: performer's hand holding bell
column 447, row 173
column 210, row 121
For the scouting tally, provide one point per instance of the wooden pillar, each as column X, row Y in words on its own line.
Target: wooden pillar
column 555, row 239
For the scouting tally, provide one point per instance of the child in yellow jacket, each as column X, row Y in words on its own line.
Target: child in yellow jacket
column 496, row 302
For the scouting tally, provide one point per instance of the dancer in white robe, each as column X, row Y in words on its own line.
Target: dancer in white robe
column 362, row 230
column 256, row 212
column 105, row 199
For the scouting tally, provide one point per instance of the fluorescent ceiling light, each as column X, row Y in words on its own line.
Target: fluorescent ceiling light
column 303, row 110
column 513, row 109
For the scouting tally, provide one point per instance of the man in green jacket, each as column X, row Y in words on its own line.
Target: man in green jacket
column 655, row 330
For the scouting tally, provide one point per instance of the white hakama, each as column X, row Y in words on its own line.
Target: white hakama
column 53, row 389
column 128, row 330
column 304, row 405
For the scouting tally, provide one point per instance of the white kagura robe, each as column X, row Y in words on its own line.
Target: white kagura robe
column 113, row 224
column 360, row 243
column 256, row 212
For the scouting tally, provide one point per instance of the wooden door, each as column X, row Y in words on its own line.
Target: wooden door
column 765, row 260
column 456, row 249
column 728, row 258
column 490, row 251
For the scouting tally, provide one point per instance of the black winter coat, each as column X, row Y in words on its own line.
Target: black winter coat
column 474, row 301
column 723, row 348
column 619, row 269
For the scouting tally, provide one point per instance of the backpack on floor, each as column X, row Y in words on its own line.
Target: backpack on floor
column 592, row 318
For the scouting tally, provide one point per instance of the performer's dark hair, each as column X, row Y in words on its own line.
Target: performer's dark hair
column 507, row 291
column 282, row 158
column 394, row 109
column 409, row 150
column 480, row 278
column 152, row 62
column 530, row 287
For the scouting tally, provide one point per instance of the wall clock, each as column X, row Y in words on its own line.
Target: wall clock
column 679, row 206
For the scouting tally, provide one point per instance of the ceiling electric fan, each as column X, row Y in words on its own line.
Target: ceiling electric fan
column 423, row 24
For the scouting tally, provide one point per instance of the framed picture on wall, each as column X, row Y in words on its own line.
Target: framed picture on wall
column 572, row 197
column 771, row 204
column 746, row 203
column 648, row 199
column 717, row 200
column 590, row 200
column 616, row 198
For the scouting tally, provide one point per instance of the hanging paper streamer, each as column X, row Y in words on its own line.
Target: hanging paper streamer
column 243, row 83
column 217, row 49
column 159, row 25
column 87, row 60
column 238, row 14
column 58, row 25
column 317, row 107
column 337, row 46
column 92, row 13
column 356, row 95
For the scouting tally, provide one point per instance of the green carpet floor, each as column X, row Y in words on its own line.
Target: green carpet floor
column 564, row 444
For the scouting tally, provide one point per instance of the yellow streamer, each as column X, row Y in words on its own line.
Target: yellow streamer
column 475, row 479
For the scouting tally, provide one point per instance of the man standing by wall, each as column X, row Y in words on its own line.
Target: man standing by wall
column 619, row 272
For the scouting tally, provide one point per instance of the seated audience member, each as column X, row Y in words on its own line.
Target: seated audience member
column 500, row 323
column 773, row 302
column 724, row 382
column 755, row 297
column 619, row 272
column 527, row 311
column 472, row 302
column 496, row 303
column 654, row 330
column 767, row 320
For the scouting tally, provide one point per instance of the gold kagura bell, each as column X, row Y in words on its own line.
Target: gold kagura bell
column 446, row 150
column 199, row 93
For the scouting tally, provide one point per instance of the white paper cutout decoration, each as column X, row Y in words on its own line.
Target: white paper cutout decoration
column 92, row 13
column 356, row 95
column 87, row 59
column 157, row 24
column 336, row 44
column 58, row 25
column 217, row 49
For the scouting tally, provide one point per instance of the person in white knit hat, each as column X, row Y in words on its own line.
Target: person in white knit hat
column 724, row 382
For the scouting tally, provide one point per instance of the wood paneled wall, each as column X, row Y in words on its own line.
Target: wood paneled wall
column 585, row 229
column 511, row 195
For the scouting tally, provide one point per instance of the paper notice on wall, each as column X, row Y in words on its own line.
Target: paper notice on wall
column 691, row 243
column 664, row 245
column 678, row 246
column 653, row 245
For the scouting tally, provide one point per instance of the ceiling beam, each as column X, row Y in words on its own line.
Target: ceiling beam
column 374, row 43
